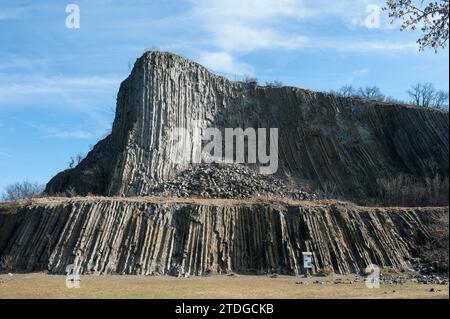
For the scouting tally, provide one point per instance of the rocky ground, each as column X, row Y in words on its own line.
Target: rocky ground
column 228, row 181
column 427, row 274
column 387, row 279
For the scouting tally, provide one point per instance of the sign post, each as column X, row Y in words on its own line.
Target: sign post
column 307, row 262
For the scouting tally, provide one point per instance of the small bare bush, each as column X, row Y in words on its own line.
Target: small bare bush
column 275, row 84
column 24, row 190
column 329, row 190
column 404, row 190
column 70, row 192
column 6, row 263
column 75, row 160
column 435, row 252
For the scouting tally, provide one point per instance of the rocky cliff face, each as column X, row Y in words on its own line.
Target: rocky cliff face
column 179, row 237
column 323, row 139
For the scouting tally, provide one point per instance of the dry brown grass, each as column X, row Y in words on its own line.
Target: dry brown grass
column 164, row 200
column 406, row 190
column 38, row 285
column 15, row 206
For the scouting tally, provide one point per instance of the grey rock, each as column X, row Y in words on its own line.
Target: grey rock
column 227, row 181
column 191, row 237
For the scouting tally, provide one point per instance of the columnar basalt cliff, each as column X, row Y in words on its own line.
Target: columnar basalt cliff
column 323, row 139
column 195, row 237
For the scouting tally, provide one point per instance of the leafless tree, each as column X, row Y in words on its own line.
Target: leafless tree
column 431, row 17
column 370, row 93
column 75, row 160
column 425, row 95
column 421, row 94
column 347, row 91
column 440, row 100
column 24, row 190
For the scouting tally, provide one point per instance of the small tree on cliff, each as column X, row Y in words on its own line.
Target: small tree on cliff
column 425, row 95
column 366, row 93
column 75, row 160
column 370, row 93
column 347, row 91
column 431, row 17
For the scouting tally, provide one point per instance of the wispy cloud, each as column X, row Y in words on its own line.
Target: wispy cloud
column 224, row 62
column 386, row 47
column 17, row 62
column 5, row 154
column 55, row 132
column 363, row 45
column 357, row 74
column 243, row 26
column 233, row 28
column 15, row 88
column 79, row 94
column 14, row 13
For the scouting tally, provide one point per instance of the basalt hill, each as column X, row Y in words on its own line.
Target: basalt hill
column 324, row 141
column 138, row 212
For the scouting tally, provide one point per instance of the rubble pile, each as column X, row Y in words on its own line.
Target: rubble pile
column 430, row 279
column 227, row 181
column 426, row 273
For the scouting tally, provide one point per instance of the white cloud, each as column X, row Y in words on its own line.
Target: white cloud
column 360, row 72
column 377, row 46
column 238, row 27
column 359, row 45
column 223, row 62
column 249, row 9
column 243, row 38
column 23, row 63
column 357, row 74
column 80, row 93
column 13, row 13
column 5, row 154
column 243, row 26
column 53, row 132
column 22, row 87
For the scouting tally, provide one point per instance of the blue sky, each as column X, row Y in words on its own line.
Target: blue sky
column 58, row 86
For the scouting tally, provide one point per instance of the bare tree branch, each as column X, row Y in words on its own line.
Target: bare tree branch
column 432, row 19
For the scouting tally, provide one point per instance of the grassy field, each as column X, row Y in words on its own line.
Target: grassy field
column 39, row 285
